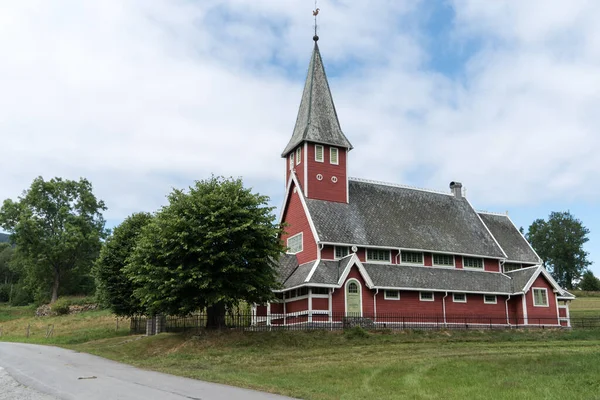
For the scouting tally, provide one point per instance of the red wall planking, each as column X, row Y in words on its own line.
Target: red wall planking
column 297, row 222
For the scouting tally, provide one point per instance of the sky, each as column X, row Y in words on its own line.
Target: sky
column 143, row 96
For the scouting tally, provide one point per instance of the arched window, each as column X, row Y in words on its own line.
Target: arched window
column 352, row 287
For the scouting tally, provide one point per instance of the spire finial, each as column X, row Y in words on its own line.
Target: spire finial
column 315, row 13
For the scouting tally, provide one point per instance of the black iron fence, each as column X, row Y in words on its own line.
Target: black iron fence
column 325, row 321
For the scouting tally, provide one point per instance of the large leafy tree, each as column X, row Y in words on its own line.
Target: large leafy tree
column 114, row 288
column 57, row 226
column 210, row 247
column 559, row 242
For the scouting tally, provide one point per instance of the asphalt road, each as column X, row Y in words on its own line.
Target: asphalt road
column 69, row 375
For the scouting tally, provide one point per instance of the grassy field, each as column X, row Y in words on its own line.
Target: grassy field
column 68, row 329
column 517, row 364
column 583, row 307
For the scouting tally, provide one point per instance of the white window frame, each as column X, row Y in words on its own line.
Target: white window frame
column 510, row 263
column 422, row 299
column 298, row 155
column 473, row 268
column 385, row 294
column 389, row 260
column 490, row 302
column 335, row 256
column 291, row 160
column 337, row 157
column 443, row 265
column 301, row 243
column 459, row 301
column 411, row 263
column 547, row 298
column 317, row 146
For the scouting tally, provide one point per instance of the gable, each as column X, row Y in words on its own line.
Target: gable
column 400, row 217
column 509, row 238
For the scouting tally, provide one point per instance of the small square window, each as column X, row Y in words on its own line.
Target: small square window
column 341, row 251
column 333, row 155
column 412, row 257
column 318, row 153
column 459, row 297
column 490, row 299
column 540, row 297
column 298, row 155
column 426, row 296
column 391, row 295
column 443, row 260
column 294, row 244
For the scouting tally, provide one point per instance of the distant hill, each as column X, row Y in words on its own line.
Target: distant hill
column 3, row 237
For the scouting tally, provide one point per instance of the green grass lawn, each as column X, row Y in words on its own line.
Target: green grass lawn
column 415, row 365
column 502, row 364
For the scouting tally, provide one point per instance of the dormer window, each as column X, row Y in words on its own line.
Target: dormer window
column 298, row 155
column 318, row 153
column 291, row 160
column 333, row 156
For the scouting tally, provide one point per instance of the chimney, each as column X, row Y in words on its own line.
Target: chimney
column 456, row 188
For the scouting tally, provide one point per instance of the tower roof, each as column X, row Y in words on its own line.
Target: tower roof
column 317, row 119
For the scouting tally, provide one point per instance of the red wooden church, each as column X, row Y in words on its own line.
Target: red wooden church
column 393, row 254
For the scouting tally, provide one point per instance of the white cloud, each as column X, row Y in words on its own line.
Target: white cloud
column 141, row 96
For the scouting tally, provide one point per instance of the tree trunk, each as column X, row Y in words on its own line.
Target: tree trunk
column 215, row 316
column 55, row 287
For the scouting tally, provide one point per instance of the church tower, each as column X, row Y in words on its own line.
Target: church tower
column 317, row 153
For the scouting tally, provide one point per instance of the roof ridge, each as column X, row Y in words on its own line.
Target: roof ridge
column 398, row 185
column 491, row 213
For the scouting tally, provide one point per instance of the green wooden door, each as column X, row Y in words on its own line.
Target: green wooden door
column 353, row 306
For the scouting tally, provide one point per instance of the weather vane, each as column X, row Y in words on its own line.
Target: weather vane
column 315, row 13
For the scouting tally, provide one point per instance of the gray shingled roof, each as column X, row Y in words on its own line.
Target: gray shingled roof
column 287, row 265
column 299, row 275
column 509, row 238
column 520, row 277
column 391, row 216
column 412, row 277
column 317, row 119
column 455, row 280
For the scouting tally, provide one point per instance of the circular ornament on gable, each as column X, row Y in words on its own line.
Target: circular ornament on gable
column 354, row 249
column 334, row 179
column 319, row 177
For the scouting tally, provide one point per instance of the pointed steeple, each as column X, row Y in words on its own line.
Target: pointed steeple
column 317, row 120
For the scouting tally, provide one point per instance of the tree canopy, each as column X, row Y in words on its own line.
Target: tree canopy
column 559, row 242
column 589, row 282
column 57, row 227
column 114, row 288
column 210, row 247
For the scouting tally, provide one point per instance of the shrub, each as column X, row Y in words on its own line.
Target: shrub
column 21, row 296
column 4, row 292
column 61, row 307
column 356, row 332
